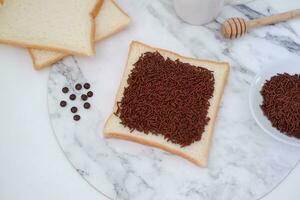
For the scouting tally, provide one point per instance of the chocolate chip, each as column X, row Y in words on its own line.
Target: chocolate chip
column 84, row 97
column 90, row 94
column 72, row 97
column 74, row 109
column 87, row 105
column 87, row 86
column 76, row 117
column 65, row 90
column 63, row 103
column 78, row 86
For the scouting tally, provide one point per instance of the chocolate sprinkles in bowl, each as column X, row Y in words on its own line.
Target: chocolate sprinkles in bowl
column 281, row 103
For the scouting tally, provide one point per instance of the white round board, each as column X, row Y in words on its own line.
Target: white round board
column 244, row 162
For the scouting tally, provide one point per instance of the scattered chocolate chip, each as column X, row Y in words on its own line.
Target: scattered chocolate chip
column 74, row 109
column 87, row 105
column 78, row 86
column 84, row 97
column 72, row 97
column 76, row 117
column 90, row 94
column 63, row 103
column 65, row 90
column 87, row 86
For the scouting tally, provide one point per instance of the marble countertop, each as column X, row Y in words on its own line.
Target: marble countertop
column 122, row 170
column 247, row 56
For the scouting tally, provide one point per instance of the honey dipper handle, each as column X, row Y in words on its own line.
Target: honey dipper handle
column 274, row 19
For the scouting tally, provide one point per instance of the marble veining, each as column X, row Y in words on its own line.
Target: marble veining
column 244, row 162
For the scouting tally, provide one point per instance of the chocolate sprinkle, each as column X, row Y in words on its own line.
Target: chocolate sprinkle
column 74, row 109
column 72, row 97
column 78, row 86
column 63, row 103
column 76, row 117
column 167, row 97
column 281, row 103
column 65, row 90
column 87, row 86
column 90, row 94
column 84, row 97
column 86, row 105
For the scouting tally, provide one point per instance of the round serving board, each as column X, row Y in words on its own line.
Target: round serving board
column 244, row 162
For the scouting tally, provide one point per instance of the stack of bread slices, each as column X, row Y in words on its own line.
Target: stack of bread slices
column 51, row 30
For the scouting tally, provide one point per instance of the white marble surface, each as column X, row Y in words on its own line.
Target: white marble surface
column 244, row 162
column 32, row 164
column 236, row 1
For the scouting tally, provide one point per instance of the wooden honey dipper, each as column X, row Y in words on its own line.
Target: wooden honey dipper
column 236, row 27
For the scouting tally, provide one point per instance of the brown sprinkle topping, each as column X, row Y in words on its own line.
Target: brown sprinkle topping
column 167, row 97
column 281, row 103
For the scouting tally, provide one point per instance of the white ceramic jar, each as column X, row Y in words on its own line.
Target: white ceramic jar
column 198, row 12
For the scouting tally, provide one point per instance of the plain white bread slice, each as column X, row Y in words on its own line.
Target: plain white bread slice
column 66, row 26
column 197, row 152
column 111, row 19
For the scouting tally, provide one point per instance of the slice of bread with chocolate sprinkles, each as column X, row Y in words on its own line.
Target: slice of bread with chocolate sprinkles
column 168, row 101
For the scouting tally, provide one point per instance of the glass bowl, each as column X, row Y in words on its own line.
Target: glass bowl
column 255, row 99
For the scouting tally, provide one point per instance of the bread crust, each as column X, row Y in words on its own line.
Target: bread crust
column 93, row 15
column 37, row 66
column 135, row 138
column 96, row 8
column 97, row 39
column 119, row 28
